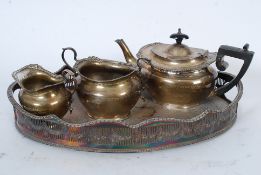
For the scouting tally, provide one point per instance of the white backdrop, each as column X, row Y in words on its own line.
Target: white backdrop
column 35, row 31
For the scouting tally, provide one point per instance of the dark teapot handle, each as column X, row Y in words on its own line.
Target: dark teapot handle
column 74, row 57
column 222, row 65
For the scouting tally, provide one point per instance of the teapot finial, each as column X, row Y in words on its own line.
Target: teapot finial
column 179, row 36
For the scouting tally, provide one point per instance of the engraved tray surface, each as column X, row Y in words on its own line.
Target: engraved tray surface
column 150, row 126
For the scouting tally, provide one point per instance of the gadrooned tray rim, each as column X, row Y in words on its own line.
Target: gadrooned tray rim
column 130, row 150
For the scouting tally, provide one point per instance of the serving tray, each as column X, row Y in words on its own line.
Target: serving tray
column 149, row 127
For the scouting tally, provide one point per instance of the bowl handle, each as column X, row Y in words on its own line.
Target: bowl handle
column 145, row 64
column 74, row 57
column 222, row 65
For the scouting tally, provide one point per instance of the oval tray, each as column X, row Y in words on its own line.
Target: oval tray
column 149, row 127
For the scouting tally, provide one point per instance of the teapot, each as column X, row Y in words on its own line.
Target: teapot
column 183, row 76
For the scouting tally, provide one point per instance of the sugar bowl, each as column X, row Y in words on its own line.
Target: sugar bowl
column 108, row 89
column 181, row 75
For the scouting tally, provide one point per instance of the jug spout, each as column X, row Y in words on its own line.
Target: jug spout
column 126, row 51
column 34, row 78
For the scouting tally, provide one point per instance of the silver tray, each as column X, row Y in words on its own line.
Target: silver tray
column 149, row 127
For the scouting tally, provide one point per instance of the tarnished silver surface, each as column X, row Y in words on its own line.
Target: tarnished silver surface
column 164, row 63
column 182, row 75
column 107, row 89
column 43, row 92
column 150, row 127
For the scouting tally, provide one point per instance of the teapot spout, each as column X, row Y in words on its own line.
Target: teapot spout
column 126, row 51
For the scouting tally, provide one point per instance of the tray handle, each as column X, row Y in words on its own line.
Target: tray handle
column 222, row 65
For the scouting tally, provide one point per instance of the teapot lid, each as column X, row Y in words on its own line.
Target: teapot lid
column 176, row 57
